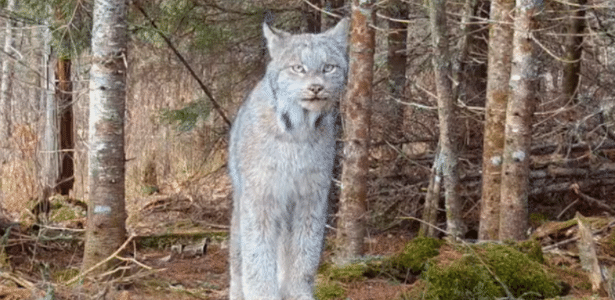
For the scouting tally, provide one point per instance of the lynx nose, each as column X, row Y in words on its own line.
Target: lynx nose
column 316, row 88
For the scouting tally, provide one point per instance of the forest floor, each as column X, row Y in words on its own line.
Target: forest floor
column 175, row 276
column 38, row 263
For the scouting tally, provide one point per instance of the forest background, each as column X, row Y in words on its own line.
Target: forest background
column 176, row 139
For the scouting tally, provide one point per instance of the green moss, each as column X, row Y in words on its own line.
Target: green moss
column 537, row 219
column 520, row 273
column 608, row 243
column 584, row 285
column 461, row 280
column 533, row 249
column 472, row 278
column 326, row 290
column 347, row 273
column 149, row 189
column 64, row 213
column 65, row 274
column 415, row 254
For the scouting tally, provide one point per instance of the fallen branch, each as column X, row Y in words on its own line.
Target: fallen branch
column 110, row 257
column 591, row 200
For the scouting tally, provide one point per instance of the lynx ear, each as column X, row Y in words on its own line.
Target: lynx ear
column 275, row 38
column 340, row 32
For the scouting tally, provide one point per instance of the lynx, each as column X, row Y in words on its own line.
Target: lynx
column 281, row 152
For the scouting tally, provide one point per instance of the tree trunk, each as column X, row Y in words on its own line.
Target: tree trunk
column 519, row 115
column 469, row 8
column 396, row 62
column 312, row 16
column 50, row 168
column 498, row 77
column 447, row 117
column 64, row 96
column 356, row 109
column 574, row 49
column 106, row 228
column 332, row 6
column 5, row 86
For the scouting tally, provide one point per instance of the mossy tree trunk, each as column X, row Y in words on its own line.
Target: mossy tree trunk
column 498, row 77
column 356, row 111
column 519, row 116
column 106, row 228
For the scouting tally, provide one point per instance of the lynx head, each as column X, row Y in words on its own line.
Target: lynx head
column 306, row 71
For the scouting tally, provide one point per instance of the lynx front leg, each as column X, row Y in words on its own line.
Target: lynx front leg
column 305, row 247
column 259, row 234
column 235, row 290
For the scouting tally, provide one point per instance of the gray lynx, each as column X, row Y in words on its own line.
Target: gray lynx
column 281, row 153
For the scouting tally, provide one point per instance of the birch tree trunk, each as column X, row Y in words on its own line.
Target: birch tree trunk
column 6, row 110
column 519, row 115
column 106, row 228
column 498, row 77
column 356, row 109
column 448, row 145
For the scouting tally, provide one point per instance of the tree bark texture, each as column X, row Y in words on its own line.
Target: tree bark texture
column 519, row 115
column 356, row 112
column 50, row 167
column 64, row 96
column 448, row 145
column 498, row 77
column 574, row 49
column 5, row 85
column 106, row 211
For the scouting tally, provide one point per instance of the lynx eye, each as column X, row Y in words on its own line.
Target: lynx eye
column 298, row 69
column 329, row 68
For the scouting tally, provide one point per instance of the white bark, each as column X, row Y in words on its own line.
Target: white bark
column 50, row 158
column 106, row 211
column 5, row 85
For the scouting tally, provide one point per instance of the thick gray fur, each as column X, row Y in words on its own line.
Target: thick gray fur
column 281, row 153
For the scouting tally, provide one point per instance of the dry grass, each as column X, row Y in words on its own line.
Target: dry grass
column 19, row 180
